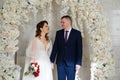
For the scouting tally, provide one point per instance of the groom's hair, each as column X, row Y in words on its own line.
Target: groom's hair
column 67, row 17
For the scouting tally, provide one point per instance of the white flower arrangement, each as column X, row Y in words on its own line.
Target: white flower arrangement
column 8, row 70
column 16, row 12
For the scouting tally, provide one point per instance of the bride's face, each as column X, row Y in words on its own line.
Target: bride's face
column 45, row 28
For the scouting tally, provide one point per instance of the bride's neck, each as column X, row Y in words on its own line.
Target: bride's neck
column 42, row 36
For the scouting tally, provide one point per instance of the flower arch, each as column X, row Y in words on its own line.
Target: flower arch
column 15, row 13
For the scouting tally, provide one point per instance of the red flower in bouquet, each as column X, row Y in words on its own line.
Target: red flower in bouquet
column 36, row 74
column 34, row 69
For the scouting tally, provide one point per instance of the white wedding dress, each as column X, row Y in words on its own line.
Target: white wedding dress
column 37, row 52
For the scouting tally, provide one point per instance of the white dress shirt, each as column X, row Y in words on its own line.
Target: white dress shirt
column 68, row 33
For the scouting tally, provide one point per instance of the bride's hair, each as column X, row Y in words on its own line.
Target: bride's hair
column 38, row 31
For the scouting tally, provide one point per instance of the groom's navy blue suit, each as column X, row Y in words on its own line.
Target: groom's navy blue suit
column 67, row 54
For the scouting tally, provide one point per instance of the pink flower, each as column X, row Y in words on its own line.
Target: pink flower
column 9, row 48
column 70, row 1
column 6, row 34
column 99, row 72
column 12, row 22
column 103, row 33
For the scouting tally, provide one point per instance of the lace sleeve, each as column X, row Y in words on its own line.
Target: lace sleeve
column 31, row 50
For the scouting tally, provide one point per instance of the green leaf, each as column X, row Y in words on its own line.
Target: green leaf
column 26, row 73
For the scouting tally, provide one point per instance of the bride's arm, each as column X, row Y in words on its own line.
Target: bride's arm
column 33, row 50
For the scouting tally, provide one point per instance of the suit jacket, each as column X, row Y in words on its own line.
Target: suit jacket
column 69, row 52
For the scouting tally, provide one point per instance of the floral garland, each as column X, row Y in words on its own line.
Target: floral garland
column 90, row 12
column 102, row 63
column 8, row 70
column 16, row 12
column 8, row 41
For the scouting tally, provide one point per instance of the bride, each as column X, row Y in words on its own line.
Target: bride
column 39, row 51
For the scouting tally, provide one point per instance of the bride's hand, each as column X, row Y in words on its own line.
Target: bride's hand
column 52, row 66
column 32, row 59
column 77, row 67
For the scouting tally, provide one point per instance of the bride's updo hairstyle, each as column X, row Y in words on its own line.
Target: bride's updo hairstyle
column 38, row 31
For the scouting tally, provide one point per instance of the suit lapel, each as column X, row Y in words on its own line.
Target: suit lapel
column 62, row 36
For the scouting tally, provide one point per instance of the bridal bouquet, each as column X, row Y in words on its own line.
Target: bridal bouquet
column 33, row 69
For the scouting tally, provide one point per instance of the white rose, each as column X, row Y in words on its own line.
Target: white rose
column 35, row 68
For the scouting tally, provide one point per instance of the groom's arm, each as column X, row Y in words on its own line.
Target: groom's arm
column 79, row 48
column 79, row 52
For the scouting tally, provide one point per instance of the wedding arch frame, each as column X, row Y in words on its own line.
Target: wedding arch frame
column 14, row 14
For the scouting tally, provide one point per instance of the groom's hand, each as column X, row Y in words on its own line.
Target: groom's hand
column 77, row 67
column 52, row 66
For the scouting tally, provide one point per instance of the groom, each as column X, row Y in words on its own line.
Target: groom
column 67, row 49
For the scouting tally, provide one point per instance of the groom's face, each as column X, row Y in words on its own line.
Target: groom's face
column 65, row 23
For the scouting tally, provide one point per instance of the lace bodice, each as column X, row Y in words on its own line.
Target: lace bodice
column 37, row 49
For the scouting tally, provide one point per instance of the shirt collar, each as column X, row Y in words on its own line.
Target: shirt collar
column 69, row 29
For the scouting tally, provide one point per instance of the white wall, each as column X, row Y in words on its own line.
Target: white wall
column 114, row 28
column 112, row 11
column 1, row 3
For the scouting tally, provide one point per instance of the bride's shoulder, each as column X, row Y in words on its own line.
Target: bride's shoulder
column 34, row 39
column 50, row 41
